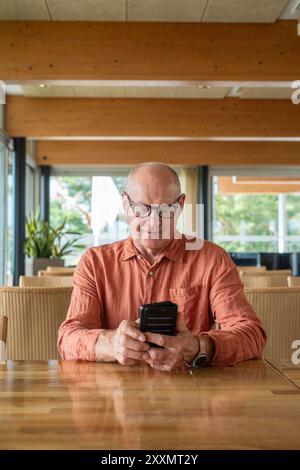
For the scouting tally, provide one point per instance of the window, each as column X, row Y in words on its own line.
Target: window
column 6, row 214
column 3, row 179
column 30, row 189
column 82, row 202
column 256, row 213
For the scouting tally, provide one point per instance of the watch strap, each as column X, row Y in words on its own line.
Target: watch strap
column 204, row 355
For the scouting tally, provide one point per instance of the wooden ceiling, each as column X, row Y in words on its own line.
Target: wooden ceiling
column 232, row 11
column 124, row 81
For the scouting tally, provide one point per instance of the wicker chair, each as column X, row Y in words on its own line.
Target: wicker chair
column 279, row 311
column 34, row 315
column 293, row 281
column 3, row 337
column 45, row 281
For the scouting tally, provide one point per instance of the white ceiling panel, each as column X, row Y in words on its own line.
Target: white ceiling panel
column 23, row 10
column 266, row 93
column 53, row 91
column 87, row 10
column 48, row 91
column 166, row 10
column 151, row 92
column 196, row 92
column 243, row 11
column 99, row 91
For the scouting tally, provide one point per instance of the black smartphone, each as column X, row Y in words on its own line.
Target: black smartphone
column 159, row 317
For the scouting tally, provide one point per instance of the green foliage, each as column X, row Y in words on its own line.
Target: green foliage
column 71, row 201
column 44, row 241
column 254, row 214
column 72, row 195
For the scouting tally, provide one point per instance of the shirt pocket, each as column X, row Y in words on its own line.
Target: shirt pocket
column 192, row 304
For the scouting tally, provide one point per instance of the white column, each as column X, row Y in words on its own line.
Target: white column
column 282, row 225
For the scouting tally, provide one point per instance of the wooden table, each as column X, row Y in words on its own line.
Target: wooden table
column 77, row 405
column 291, row 372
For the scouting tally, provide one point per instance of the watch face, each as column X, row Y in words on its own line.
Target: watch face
column 200, row 360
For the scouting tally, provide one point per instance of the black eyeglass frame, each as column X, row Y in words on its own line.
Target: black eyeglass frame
column 132, row 204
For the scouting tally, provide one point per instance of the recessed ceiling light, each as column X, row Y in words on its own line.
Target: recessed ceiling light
column 42, row 85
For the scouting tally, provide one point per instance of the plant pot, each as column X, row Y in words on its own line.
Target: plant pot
column 32, row 266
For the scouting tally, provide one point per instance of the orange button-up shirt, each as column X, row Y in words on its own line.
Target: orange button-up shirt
column 113, row 280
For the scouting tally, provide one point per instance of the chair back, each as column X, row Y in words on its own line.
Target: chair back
column 252, row 269
column 61, row 269
column 257, row 282
column 45, row 281
column 293, row 281
column 34, row 315
column 44, row 272
column 279, row 311
column 3, row 336
column 276, row 279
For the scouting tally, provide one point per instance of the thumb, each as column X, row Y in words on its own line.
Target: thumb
column 181, row 325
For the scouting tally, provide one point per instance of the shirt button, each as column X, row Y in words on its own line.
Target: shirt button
column 138, row 257
column 151, row 273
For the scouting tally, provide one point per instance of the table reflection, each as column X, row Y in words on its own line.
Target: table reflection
column 139, row 407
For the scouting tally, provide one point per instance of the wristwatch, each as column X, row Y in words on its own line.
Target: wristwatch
column 205, row 353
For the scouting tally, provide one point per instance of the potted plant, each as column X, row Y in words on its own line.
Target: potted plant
column 45, row 245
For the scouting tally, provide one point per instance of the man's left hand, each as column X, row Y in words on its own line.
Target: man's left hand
column 176, row 351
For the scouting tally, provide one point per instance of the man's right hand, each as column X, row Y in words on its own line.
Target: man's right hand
column 126, row 345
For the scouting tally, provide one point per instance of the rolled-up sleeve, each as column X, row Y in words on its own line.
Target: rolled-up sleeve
column 241, row 335
column 78, row 334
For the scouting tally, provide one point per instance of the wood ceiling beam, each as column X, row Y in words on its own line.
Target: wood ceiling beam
column 99, row 118
column 66, row 153
column 183, row 52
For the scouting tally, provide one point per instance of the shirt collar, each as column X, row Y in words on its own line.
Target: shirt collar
column 174, row 251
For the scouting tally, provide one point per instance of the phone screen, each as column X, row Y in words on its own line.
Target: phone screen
column 159, row 317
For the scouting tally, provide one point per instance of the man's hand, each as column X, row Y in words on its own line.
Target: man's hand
column 126, row 344
column 177, row 350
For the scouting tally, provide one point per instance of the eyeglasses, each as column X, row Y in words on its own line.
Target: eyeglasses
column 165, row 211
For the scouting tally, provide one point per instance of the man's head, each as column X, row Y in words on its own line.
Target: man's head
column 153, row 184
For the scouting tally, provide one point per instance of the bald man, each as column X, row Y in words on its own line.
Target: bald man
column 157, row 263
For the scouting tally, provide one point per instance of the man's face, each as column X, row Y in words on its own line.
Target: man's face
column 153, row 230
